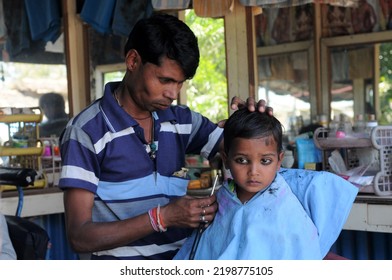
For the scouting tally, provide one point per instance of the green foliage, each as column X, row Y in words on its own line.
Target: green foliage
column 207, row 91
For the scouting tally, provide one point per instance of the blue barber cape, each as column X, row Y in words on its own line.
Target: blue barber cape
column 299, row 216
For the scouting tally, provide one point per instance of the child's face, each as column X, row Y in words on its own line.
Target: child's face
column 253, row 163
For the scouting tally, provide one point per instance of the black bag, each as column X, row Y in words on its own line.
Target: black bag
column 30, row 241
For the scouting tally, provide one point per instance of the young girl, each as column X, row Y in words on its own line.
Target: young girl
column 260, row 216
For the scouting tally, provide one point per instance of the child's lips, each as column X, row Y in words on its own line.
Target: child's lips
column 254, row 183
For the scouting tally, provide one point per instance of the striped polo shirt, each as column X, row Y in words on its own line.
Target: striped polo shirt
column 103, row 152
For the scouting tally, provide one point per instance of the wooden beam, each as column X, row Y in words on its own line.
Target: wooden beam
column 237, row 53
column 77, row 59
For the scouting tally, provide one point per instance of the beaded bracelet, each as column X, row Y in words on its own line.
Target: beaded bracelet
column 153, row 219
column 156, row 219
column 161, row 225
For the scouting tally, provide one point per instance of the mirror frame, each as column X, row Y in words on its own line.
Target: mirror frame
column 350, row 40
column 307, row 46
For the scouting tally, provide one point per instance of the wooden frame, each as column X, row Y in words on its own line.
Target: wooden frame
column 349, row 40
column 288, row 48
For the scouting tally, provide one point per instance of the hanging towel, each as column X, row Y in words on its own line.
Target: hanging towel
column 99, row 14
column 3, row 29
column 44, row 18
column 170, row 4
column 217, row 8
column 277, row 3
column 299, row 216
column 340, row 66
column 127, row 13
column 264, row 69
column 18, row 32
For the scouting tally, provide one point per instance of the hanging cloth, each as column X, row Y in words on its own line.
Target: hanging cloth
column 99, row 14
column 170, row 4
column 340, row 66
column 127, row 13
column 18, row 32
column 360, row 63
column 44, row 18
column 3, row 29
column 275, row 3
column 288, row 3
column 213, row 9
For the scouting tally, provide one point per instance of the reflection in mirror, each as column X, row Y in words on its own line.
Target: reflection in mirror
column 284, row 84
column 355, row 72
column 23, row 84
column 385, row 83
column 351, row 87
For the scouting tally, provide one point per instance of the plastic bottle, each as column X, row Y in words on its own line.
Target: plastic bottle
column 333, row 126
column 370, row 124
column 359, row 126
column 322, row 120
column 47, row 149
column 288, row 160
column 345, row 127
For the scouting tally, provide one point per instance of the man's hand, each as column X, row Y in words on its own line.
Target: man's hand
column 237, row 103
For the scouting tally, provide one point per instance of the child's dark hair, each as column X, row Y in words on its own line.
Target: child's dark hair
column 249, row 125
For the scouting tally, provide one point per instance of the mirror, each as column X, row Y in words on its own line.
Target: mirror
column 357, row 77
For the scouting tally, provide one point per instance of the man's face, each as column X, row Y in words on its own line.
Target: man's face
column 157, row 86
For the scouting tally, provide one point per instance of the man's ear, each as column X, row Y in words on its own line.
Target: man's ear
column 132, row 59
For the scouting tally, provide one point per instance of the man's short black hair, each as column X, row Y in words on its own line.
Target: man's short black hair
column 163, row 35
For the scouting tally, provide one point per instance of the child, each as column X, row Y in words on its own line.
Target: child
column 260, row 215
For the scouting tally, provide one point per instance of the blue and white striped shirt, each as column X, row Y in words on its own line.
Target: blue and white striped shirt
column 102, row 152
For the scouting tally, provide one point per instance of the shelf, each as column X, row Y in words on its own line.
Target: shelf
column 336, row 143
column 32, row 151
column 21, row 118
column 329, row 143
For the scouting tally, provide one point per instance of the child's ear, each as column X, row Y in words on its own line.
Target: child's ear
column 224, row 159
column 280, row 157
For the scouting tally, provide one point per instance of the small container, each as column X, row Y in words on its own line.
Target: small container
column 47, row 149
column 20, row 141
column 371, row 123
column 333, row 126
column 288, row 159
column 359, row 126
column 323, row 120
column 345, row 127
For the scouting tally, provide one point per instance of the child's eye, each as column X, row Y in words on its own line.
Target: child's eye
column 241, row 160
column 266, row 161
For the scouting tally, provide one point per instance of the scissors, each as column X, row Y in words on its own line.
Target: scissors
column 201, row 227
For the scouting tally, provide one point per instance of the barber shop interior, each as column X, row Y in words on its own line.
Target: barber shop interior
column 110, row 149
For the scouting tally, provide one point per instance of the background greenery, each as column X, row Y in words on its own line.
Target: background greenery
column 207, row 91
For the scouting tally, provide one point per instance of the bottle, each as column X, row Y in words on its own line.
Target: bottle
column 359, row 126
column 333, row 126
column 322, row 120
column 370, row 124
column 288, row 159
column 344, row 128
column 47, row 149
